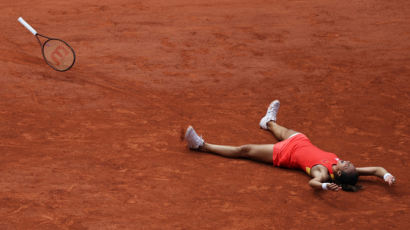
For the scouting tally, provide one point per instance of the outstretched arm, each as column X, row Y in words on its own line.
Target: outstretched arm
column 377, row 171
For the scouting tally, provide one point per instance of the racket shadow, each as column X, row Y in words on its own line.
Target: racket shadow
column 21, row 58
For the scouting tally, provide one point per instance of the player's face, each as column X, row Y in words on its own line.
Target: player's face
column 345, row 166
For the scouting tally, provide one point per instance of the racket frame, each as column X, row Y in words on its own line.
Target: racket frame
column 34, row 32
column 42, row 50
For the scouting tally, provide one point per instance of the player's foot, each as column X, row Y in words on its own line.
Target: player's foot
column 270, row 114
column 194, row 141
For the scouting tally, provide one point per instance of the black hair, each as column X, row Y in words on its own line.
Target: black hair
column 348, row 181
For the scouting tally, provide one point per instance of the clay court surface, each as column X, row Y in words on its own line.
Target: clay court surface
column 98, row 147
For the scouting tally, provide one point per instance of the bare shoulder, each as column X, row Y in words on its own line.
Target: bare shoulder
column 320, row 171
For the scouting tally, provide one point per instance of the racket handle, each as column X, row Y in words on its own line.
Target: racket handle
column 25, row 24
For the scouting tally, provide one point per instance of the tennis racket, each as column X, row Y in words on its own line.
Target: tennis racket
column 56, row 52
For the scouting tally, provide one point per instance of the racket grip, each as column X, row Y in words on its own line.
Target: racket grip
column 25, row 24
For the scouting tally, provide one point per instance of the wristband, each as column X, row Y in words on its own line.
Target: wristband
column 324, row 186
column 386, row 175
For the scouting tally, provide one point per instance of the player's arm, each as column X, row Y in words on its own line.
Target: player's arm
column 319, row 179
column 377, row 171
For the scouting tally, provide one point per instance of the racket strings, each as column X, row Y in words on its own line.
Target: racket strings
column 58, row 54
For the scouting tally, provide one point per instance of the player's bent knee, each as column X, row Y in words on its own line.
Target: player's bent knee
column 289, row 133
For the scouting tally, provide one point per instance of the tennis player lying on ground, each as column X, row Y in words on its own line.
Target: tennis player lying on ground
column 294, row 151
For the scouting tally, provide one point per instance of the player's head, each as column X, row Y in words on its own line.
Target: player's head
column 346, row 175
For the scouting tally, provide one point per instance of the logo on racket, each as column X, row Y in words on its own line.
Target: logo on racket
column 58, row 54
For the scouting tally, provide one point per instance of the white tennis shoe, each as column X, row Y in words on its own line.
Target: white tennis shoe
column 270, row 114
column 194, row 141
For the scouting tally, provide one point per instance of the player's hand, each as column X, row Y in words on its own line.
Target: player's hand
column 390, row 179
column 333, row 187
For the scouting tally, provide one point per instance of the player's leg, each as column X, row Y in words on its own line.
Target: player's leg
column 263, row 153
column 280, row 132
column 268, row 122
column 255, row 152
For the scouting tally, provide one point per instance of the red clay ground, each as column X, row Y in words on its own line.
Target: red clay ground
column 98, row 147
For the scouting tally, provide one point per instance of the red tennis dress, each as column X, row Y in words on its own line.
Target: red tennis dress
column 298, row 152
